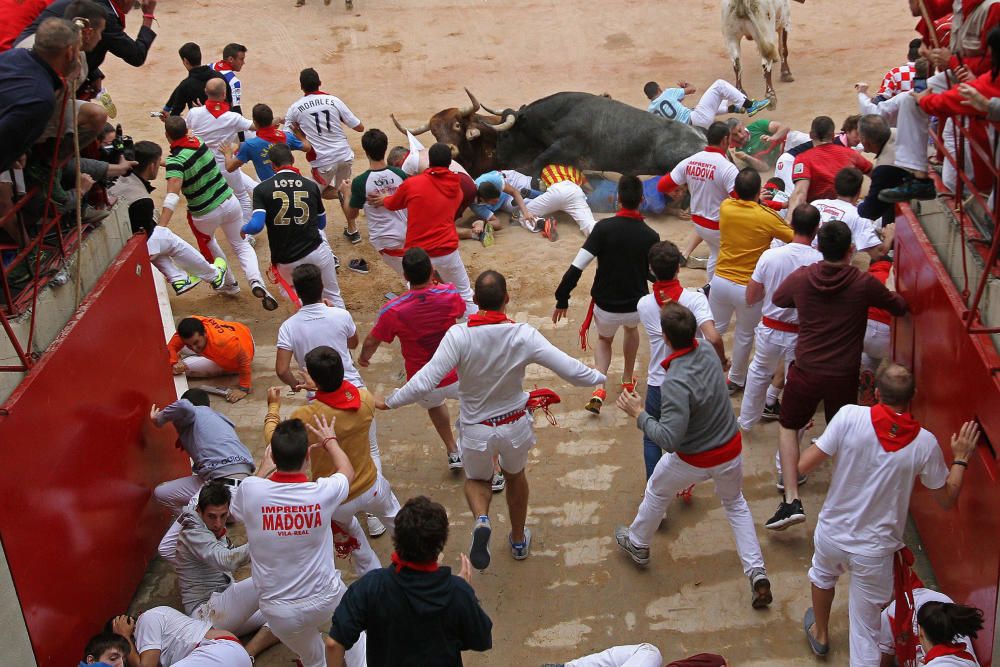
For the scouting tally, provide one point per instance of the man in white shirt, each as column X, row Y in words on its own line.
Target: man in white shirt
column 321, row 118
column 664, row 262
column 879, row 451
column 886, row 640
column 845, row 208
column 288, row 522
column 216, row 126
column 710, row 178
column 490, row 353
column 165, row 636
column 775, row 335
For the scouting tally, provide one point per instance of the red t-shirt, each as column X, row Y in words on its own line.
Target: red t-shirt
column 430, row 200
column 820, row 165
column 18, row 15
column 420, row 319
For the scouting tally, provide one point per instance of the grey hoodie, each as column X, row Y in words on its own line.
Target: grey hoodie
column 209, row 439
column 695, row 413
column 204, row 563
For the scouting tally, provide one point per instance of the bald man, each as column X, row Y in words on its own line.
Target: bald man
column 216, row 126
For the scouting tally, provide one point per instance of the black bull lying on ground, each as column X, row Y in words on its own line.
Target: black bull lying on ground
column 592, row 132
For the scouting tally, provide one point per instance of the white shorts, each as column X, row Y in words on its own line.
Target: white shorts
column 217, row 652
column 438, row 396
column 336, row 174
column 607, row 323
column 479, row 443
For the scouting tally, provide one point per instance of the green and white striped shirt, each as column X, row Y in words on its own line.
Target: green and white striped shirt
column 201, row 181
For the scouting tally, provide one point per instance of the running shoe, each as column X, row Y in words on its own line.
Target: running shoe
column 336, row 263
column 185, row 285
column 639, row 555
column 499, row 482
column 232, row 289
column 354, row 237
column 104, row 99
column 915, row 188
column 252, row 240
column 220, row 272
column 479, row 552
column 788, row 514
column 756, row 106
column 629, row 386
column 486, row 236
column 455, row 461
column 521, row 550
column 771, row 411
column 760, row 588
column 596, row 401
column 358, row 265
column 732, row 387
column 258, row 290
column 375, row 527
column 694, row 262
column 549, row 229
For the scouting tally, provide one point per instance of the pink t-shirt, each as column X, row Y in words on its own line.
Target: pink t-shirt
column 420, row 318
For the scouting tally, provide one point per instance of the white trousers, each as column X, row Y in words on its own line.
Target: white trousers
column 877, row 344
column 714, row 101
column 673, row 475
column 636, row 655
column 217, row 653
column 176, row 493
column 783, row 170
column 772, row 348
column 236, row 609
column 394, row 263
column 727, row 299
column 378, row 500
column 322, row 259
column 452, row 270
column 480, row 444
column 175, row 257
column 564, row 196
column 229, row 218
column 298, row 625
column 711, row 239
column 241, row 184
column 870, row 589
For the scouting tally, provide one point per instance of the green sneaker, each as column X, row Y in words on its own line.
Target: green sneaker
column 186, row 285
column 220, row 272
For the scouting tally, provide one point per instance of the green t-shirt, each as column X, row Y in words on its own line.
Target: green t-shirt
column 757, row 147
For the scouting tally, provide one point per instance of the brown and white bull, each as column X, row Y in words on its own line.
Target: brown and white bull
column 766, row 22
column 471, row 136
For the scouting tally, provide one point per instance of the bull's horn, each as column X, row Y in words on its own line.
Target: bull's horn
column 468, row 111
column 506, row 124
column 420, row 130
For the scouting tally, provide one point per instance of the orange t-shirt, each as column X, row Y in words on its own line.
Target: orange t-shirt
column 229, row 344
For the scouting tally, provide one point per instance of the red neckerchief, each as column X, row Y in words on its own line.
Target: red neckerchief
column 288, row 167
column 714, row 149
column 487, row 317
column 288, row 477
column 120, row 10
column 667, row 290
column 346, row 398
column 185, row 142
column 223, row 66
column 217, row 107
column 431, row 566
column 629, row 213
column 272, row 135
column 678, row 353
column 904, row 580
column 894, row 431
column 957, row 650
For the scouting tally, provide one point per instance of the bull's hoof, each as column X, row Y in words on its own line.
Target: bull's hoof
column 786, row 77
column 773, row 106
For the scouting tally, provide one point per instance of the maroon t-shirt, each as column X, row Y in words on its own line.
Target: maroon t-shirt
column 833, row 302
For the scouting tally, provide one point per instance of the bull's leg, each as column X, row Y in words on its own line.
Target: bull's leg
column 769, row 86
column 786, row 71
column 738, row 72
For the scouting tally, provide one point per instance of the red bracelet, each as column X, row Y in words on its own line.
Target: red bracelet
column 149, row 16
column 332, row 437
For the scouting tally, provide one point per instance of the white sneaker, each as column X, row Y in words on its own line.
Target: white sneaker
column 454, row 461
column 259, row 291
column 375, row 527
column 498, row 483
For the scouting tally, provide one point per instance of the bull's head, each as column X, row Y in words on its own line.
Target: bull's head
column 507, row 116
column 450, row 126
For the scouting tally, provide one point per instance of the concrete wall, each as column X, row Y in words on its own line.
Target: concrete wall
column 57, row 303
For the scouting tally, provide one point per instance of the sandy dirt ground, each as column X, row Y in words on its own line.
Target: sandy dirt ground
column 576, row 594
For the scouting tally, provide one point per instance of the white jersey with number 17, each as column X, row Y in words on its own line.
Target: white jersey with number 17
column 322, row 118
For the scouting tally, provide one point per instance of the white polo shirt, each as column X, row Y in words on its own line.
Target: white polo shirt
column 288, row 524
column 921, row 596
column 319, row 324
column 214, row 132
column 710, row 178
column 649, row 315
column 862, row 229
column 322, row 118
column 865, row 508
column 773, row 267
column 170, row 631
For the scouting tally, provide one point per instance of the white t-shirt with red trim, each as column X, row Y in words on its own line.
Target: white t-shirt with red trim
column 920, row 597
column 710, row 178
column 215, row 130
column 322, row 118
column 773, row 267
column 866, row 505
column 170, row 631
column 288, row 524
column 649, row 315
column 862, row 229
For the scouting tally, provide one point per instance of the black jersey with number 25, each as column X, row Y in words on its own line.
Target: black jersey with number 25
column 292, row 205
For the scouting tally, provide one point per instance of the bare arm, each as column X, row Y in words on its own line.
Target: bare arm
column 150, row 658
column 334, row 653
column 368, row 348
column 173, row 188
column 811, row 459
column 518, row 199
column 754, row 293
column 798, row 194
column 963, row 444
column 282, row 368
column 352, row 342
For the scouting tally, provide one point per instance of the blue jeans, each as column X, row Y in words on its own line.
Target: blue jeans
column 651, row 451
column 486, row 211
